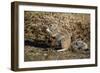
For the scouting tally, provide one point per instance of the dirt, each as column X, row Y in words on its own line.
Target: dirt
column 38, row 54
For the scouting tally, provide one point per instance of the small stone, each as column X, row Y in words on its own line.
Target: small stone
column 45, row 54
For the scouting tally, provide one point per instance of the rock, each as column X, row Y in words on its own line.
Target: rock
column 79, row 45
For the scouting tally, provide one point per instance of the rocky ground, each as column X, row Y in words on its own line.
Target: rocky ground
column 38, row 54
column 77, row 24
